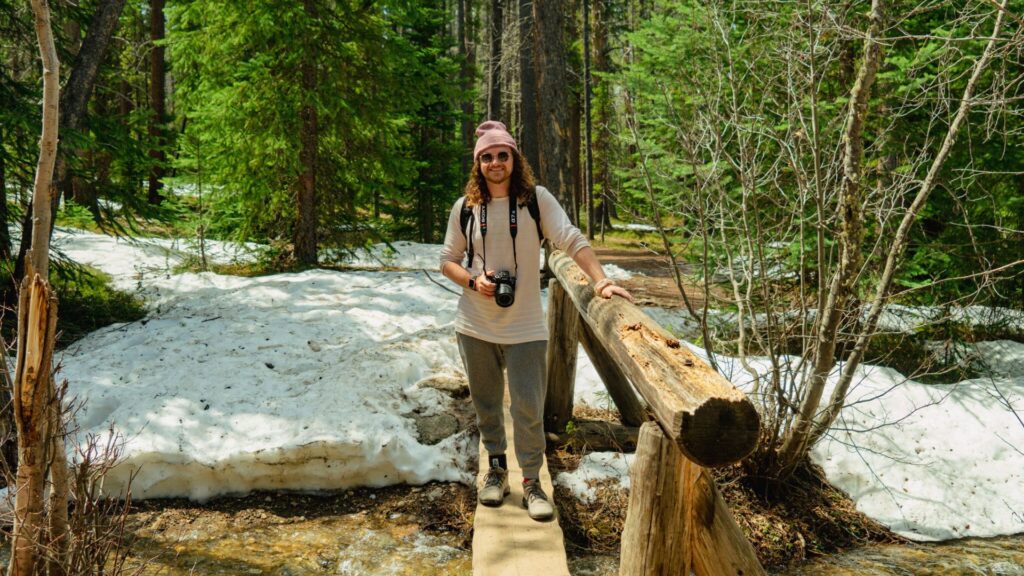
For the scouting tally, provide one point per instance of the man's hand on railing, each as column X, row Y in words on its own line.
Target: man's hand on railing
column 607, row 288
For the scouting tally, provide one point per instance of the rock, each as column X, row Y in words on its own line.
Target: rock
column 433, row 429
column 456, row 387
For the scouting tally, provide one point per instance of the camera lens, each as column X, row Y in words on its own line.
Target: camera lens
column 505, row 295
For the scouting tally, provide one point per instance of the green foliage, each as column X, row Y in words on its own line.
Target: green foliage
column 72, row 215
column 381, row 73
column 721, row 97
column 87, row 302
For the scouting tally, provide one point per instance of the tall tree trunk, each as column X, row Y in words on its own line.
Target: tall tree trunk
column 553, row 108
column 425, row 197
column 5, row 232
column 305, row 227
column 588, row 170
column 496, row 29
column 37, row 325
column 796, row 443
column 157, row 100
column 76, row 92
column 466, row 52
column 80, row 85
column 576, row 166
column 602, row 180
column 528, row 117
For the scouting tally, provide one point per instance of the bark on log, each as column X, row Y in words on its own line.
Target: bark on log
column 494, row 63
column 563, row 323
column 631, row 409
column 37, row 327
column 717, row 545
column 713, row 423
column 38, row 254
column 59, row 533
column 654, row 539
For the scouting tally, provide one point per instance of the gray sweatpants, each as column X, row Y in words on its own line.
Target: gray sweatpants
column 525, row 363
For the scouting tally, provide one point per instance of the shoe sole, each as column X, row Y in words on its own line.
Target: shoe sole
column 539, row 517
column 495, row 503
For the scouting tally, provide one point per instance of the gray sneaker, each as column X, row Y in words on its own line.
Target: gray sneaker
column 536, row 501
column 495, row 487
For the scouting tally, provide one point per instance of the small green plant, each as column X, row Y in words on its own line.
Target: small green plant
column 88, row 302
column 72, row 215
column 570, row 427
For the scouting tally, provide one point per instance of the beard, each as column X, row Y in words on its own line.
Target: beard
column 497, row 177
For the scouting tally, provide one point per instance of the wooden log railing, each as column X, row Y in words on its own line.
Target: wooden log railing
column 713, row 422
column 677, row 520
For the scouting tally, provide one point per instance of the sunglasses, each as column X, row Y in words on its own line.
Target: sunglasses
column 487, row 157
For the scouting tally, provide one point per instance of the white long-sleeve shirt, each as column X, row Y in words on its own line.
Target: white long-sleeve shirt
column 481, row 317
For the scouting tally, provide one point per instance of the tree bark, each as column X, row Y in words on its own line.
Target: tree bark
column 76, row 92
column 465, row 17
column 157, row 99
column 37, row 325
column 602, row 180
column 39, row 250
column 497, row 29
column 80, row 85
column 5, row 232
column 553, row 129
column 631, row 409
column 57, row 526
column 305, row 227
column 588, row 170
column 528, row 118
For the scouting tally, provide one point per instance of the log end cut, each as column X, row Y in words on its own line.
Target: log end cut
column 720, row 432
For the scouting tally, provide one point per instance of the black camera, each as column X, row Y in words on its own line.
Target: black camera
column 505, row 294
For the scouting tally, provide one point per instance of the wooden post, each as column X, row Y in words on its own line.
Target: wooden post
column 654, row 540
column 713, row 423
column 563, row 323
column 631, row 409
column 717, row 544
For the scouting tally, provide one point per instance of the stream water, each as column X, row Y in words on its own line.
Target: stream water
column 982, row 557
column 359, row 543
column 988, row 557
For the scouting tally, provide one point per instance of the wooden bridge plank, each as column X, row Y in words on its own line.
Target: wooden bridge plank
column 506, row 541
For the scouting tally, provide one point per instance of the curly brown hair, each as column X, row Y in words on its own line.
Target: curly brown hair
column 521, row 187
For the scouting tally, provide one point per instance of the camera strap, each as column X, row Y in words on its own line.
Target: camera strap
column 513, row 228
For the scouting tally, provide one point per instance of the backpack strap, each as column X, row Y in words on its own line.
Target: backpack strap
column 465, row 218
column 534, row 208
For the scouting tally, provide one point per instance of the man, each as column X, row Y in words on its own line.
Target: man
column 499, row 324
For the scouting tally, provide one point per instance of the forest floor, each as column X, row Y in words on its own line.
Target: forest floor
column 226, row 535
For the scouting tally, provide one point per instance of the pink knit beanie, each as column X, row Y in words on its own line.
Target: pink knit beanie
column 490, row 134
